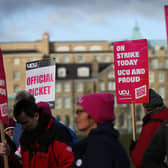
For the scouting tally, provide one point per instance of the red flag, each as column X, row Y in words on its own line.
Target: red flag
column 166, row 18
column 3, row 93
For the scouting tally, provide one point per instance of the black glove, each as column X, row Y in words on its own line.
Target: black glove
column 132, row 145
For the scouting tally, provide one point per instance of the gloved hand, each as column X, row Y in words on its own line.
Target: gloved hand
column 132, row 145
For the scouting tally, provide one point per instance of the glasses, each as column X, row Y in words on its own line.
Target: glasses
column 79, row 111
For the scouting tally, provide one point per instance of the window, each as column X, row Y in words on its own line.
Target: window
column 16, row 61
column 162, row 91
column 95, row 48
column 83, row 72
column 67, row 87
column 111, row 74
column 61, row 72
column 111, row 85
column 67, row 102
column 161, row 77
column 151, row 76
column 57, row 60
column 65, row 59
column 58, row 103
column 102, row 86
column 80, row 59
column 79, row 87
column 138, row 113
column 122, row 120
column 106, row 58
column 79, row 48
column 67, row 120
column 97, row 58
column 58, row 87
column 16, row 88
column 16, row 75
column 154, row 64
column 166, row 51
column 166, row 63
column 63, row 48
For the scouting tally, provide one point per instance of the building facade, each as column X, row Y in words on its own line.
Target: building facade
column 94, row 71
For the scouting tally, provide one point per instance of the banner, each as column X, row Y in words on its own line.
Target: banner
column 131, row 71
column 3, row 93
column 166, row 20
column 40, row 80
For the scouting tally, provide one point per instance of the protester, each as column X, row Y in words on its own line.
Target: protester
column 43, row 143
column 156, row 154
column 8, row 148
column 155, row 113
column 9, row 127
column 21, row 95
column 101, row 148
column 25, row 95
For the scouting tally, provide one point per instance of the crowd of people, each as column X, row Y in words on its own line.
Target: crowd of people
column 35, row 139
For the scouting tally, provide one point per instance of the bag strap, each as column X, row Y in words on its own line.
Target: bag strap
column 153, row 120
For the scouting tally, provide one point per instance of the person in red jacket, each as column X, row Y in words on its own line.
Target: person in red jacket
column 43, row 143
column 155, row 113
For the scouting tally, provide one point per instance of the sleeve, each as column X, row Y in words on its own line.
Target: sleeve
column 144, row 139
column 105, row 153
column 155, row 153
column 63, row 154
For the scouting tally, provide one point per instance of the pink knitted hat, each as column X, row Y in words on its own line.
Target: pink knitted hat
column 100, row 106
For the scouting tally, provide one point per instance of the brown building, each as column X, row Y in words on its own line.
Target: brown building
column 94, row 69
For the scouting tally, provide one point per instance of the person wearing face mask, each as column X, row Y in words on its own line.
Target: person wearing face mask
column 101, row 148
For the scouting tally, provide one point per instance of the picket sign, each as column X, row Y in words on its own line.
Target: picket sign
column 131, row 74
column 40, row 80
column 3, row 105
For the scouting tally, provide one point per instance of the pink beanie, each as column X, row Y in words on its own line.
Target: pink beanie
column 45, row 106
column 100, row 106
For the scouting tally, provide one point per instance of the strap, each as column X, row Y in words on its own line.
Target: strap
column 153, row 120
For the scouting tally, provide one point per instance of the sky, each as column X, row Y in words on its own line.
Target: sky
column 81, row 20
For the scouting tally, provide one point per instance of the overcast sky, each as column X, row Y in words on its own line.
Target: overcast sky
column 69, row 20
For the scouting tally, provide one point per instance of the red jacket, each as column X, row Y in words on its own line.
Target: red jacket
column 48, row 150
column 150, row 126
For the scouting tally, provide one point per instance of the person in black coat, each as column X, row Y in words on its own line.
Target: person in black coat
column 156, row 154
column 101, row 148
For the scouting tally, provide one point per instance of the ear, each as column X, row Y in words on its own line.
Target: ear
column 36, row 116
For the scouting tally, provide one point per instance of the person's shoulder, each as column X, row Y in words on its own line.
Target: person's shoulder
column 60, row 133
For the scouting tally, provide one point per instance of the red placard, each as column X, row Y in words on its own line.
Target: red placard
column 131, row 71
column 166, row 20
column 3, row 93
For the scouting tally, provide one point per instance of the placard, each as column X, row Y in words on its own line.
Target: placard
column 131, row 71
column 40, row 80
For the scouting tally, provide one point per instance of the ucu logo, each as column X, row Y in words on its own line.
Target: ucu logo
column 123, row 92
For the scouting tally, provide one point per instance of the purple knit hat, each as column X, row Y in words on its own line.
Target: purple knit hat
column 100, row 106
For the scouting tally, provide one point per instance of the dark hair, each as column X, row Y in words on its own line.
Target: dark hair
column 24, row 95
column 28, row 107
